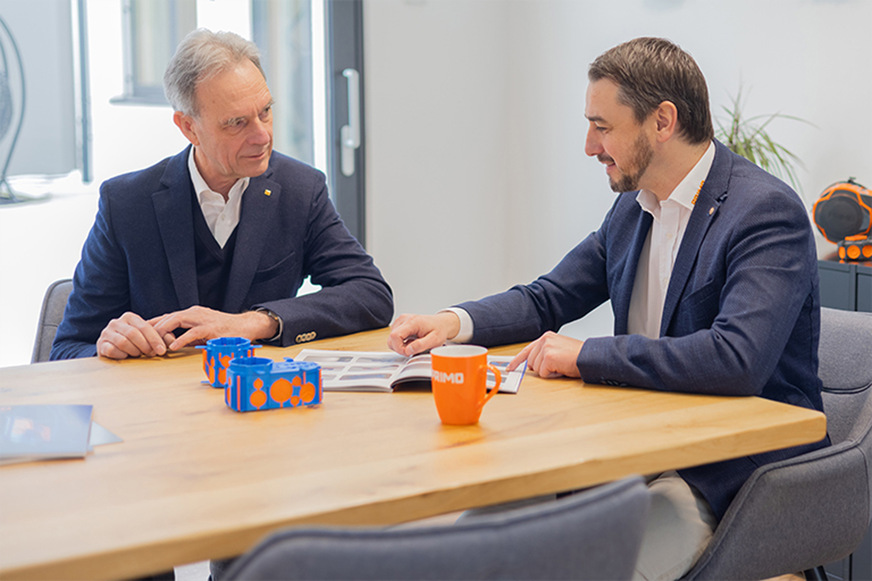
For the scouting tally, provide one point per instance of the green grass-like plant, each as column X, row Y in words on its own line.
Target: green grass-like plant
column 749, row 138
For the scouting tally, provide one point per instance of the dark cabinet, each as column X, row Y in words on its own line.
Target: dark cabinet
column 846, row 286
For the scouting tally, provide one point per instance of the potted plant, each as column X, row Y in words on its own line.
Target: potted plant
column 748, row 137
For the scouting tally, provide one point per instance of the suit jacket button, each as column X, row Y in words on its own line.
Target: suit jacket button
column 305, row 337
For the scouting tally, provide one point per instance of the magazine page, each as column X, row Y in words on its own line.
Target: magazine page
column 386, row 370
column 355, row 370
column 415, row 373
column 511, row 380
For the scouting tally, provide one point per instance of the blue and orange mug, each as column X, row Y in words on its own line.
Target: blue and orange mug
column 217, row 355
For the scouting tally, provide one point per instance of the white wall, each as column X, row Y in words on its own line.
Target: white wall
column 438, row 122
column 497, row 87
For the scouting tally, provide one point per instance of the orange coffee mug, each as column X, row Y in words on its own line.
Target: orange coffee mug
column 459, row 379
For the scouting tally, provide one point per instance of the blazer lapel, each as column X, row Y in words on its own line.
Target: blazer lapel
column 712, row 194
column 259, row 209
column 172, row 207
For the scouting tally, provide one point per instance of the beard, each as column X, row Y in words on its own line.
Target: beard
column 640, row 160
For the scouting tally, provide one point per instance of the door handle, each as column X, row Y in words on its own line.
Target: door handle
column 349, row 135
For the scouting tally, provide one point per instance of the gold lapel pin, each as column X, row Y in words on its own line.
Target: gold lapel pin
column 711, row 210
column 267, row 192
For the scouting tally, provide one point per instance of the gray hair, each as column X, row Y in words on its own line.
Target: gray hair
column 201, row 55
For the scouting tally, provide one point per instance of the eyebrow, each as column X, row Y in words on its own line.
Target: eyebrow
column 233, row 120
column 594, row 119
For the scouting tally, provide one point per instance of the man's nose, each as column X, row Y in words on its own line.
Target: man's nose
column 592, row 145
column 260, row 132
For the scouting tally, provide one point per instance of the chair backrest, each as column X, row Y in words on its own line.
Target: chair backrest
column 50, row 317
column 595, row 534
column 846, row 371
column 813, row 509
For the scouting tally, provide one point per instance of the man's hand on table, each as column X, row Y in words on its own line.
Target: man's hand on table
column 131, row 336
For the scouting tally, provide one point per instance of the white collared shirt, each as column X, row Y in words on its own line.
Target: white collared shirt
column 221, row 217
column 661, row 247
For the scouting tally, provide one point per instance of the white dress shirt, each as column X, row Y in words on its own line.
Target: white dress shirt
column 661, row 247
column 221, row 217
column 655, row 268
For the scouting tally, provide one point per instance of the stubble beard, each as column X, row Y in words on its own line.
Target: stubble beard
column 642, row 155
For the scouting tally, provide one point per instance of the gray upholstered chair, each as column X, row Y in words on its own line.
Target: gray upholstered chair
column 50, row 317
column 591, row 535
column 802, row 513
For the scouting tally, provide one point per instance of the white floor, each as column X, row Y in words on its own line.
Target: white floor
column 193, row 572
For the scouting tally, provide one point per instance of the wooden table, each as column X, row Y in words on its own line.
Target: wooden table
column 194, row 480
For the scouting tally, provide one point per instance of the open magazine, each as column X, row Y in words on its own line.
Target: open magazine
column 388, row 371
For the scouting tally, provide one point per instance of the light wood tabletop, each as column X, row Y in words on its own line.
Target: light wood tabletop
column 194, row 480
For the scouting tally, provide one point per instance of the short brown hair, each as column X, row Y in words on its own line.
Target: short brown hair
column 649, row 71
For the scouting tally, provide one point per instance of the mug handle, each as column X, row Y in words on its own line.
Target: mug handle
column 496, row 386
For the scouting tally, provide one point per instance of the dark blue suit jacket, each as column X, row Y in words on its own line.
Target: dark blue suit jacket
column 741, row 316
column 139, row 256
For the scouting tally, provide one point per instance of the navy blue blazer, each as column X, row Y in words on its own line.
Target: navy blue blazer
column 741, row 315
column 139, row 256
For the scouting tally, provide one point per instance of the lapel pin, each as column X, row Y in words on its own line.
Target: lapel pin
column 267, row 192
column 711, row 210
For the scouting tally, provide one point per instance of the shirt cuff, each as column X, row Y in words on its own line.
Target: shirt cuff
column 465, row 333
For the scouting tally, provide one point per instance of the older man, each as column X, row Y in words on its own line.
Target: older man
column 217, row 240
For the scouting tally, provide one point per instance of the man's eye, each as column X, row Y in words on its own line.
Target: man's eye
column 266, row 113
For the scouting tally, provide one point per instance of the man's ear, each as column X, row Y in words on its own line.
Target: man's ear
column 186, row 124
column 666, row 120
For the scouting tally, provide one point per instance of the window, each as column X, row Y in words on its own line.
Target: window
column 282, row 29
column 45, row 91
column 151, row 31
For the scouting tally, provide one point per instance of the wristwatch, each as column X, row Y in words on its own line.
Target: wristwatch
column 275, row 318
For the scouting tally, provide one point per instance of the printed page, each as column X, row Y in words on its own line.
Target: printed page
column 386, row 370
column 511, row 381
column 355, row 370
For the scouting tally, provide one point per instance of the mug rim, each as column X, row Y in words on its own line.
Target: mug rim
column 458, row 351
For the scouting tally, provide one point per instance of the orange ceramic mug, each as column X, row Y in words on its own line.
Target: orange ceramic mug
column 459, row 379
